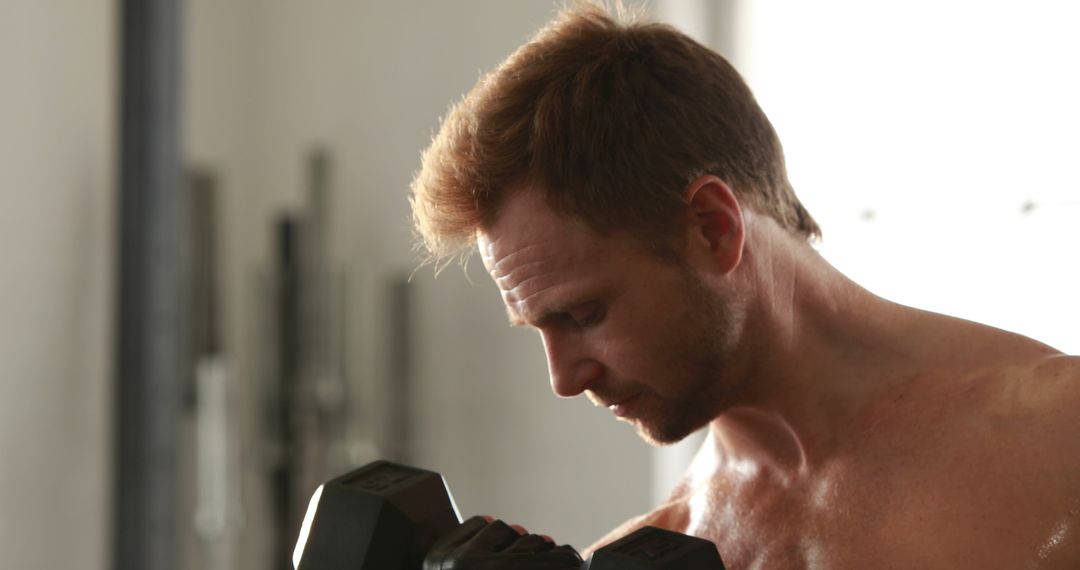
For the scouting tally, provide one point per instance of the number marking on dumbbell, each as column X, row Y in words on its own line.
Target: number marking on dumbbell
column 383, row 478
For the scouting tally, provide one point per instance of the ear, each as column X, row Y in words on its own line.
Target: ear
column 717, row 230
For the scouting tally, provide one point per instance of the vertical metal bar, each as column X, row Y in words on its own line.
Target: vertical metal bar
column 398, row 389
column 216, row 498
column 202, row 266
column 150, row 348
column 288, row 292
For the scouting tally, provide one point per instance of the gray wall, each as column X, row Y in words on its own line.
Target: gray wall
column 265, row 82
column 56, row 242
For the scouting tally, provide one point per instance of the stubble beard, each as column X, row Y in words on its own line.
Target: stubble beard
column 699, row 350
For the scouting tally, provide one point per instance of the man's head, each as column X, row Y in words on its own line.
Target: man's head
column 610, row 122
column 591, row 141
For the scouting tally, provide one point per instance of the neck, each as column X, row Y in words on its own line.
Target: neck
column 816, row 351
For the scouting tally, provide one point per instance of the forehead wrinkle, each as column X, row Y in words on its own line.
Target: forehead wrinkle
column 516, row 287
column 519, row 299
column 523, row 250
column 526, row 291
column 512, row 291
column 494, row 255
column 509, row 276
column 513, row 295
column 537, row 266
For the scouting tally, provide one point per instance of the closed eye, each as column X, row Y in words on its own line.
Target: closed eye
column 581, row 315
column 588, row 315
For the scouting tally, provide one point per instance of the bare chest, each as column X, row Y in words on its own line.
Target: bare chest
column 939, row 507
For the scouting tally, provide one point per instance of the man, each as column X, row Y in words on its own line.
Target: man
column 630, row 199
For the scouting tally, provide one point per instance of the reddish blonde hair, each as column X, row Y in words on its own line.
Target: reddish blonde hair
column 609, row 121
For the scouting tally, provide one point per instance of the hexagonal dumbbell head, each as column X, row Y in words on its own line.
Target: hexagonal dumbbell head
column 651, row 548
column 381, row 516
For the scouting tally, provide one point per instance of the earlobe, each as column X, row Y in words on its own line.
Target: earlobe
column 717, row 221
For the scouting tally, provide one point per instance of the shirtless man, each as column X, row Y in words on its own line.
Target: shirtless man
column 629, row 198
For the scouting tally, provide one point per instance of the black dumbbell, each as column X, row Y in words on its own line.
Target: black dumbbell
column 382, row 515
column 386, row 516
column 652, row 548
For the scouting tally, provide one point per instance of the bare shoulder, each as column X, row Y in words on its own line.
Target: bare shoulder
column 1039, row 404
column 1052, row 393
column 1057, row 380
column 1062, row 368
column 673, row 515
column 1047, row 385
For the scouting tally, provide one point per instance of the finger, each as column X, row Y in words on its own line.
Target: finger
column 547, row 538
column 530, row 543
column 561, row 558
column 567, row 552
column 494, row 537
column 488, row 518
column 463, row 533
column 520, row 529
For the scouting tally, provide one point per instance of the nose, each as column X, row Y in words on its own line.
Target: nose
column 569, row 367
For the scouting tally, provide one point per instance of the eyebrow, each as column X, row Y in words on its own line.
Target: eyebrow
column 515, row 319
column 547, row 315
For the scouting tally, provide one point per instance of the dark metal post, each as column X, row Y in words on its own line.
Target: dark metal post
column 150, row 353
column 289, row 288
column 398, row 397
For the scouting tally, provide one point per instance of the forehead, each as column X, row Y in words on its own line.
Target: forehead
column 533, row 252
column 525, row 221
column 528, row 233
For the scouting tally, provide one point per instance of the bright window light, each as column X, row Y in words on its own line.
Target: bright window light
column 937, row 144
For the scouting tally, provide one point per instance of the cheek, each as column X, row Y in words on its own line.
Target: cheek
column 618, row 354
column 642, row 341
column 644, row 357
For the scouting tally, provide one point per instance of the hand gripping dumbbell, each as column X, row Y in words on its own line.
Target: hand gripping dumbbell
column 386, row 516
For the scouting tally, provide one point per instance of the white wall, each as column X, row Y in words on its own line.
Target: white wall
column 57, row 113
column 936, row 143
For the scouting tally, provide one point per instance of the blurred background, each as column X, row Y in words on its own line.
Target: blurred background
column 211, row 304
